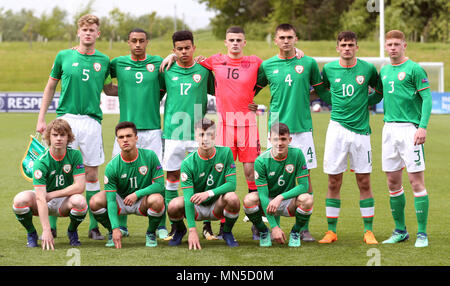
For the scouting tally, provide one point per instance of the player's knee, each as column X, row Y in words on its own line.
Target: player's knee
column 232, row 199
column 175, row 206
column 78, row 201
column 305, row 201
column 97, row 201
column 251, row 199
column 156, row 201
column 22, row 199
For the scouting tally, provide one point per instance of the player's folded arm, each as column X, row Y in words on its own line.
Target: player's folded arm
column 228, row 186
column 156, row 188
column 301, row 188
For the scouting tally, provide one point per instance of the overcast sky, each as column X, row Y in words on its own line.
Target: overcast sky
column 196, row 15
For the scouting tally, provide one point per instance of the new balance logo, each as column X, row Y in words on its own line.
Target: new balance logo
column 75, row 64
column 175, row 78
column 123, row 176
column 337, row 80
column 128, row 68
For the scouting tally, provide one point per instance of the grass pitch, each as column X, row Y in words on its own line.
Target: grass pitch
column 349, row 250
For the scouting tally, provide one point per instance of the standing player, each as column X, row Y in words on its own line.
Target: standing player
column 134, row 184
column 290, row 79
column 59, row 181
column 281, row 175
column 208, row 180
column 188, row 85
column 348, row 134
column 140, row 90
column 83, row 72
column 407, row 109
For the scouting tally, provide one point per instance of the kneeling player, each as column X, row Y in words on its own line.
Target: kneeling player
column 276, row 172
column 134, row 184
column 208, row 180
column 59, row 181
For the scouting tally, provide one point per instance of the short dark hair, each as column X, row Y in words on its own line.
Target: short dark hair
column 138, row 30
column 285, row 27
column 280, row 129
column 235, row 30
column 205, row 124
column 126, row 124
column 347, row 35
column 182, row 36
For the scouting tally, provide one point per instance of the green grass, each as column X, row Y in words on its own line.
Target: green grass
column 349, row 250
column 28, row 69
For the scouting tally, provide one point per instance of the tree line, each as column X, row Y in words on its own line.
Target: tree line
column 421, row 20
column 56, row 25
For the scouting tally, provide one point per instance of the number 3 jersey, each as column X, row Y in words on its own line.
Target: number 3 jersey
column 187, row 99
column 139, row 87
column 406, row 91
column 349, row 87
column 57, row 174
column 127, row 177
column 82, row 78
column 199, row 174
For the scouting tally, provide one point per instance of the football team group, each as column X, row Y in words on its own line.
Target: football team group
column 192, row 152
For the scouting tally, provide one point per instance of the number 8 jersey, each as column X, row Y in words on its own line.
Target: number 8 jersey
column 82, row 78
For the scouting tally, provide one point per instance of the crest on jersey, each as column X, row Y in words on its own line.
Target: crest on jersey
column 289, row 168
column 219, row 167
column 97, row 67
column 67, row 168
column 360, row 79
column 150, row 67
column 197, row 78
column 37, row 174
column 183, row 177
column 143, row 170
column 299, row 69
column 256, row 175
column 401, row 75
column 105, row 180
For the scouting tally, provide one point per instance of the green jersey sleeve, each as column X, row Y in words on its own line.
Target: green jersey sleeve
column 423, row 88
column 157, row 186
column 230, row 176
column 56, row 71
column 187, row 185
column 111, row 185
column 263, row 191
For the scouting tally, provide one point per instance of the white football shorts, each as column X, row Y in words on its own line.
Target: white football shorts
column 343, row 146
column 398, row 149
column 147, row 139
column 88, row 138
column 175, row 151
column 305, row 142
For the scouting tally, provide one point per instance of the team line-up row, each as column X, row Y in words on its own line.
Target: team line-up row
column 277, row 179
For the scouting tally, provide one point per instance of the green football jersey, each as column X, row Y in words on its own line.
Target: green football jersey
column 127, row 177
column 349, row 87
column 57, row 174
column 187, row 99
column 82, row 78
column 199, row 174
column 142, row 176
column 139, row 88
column 290, row 81
column 406, row 91
column 288, row 177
